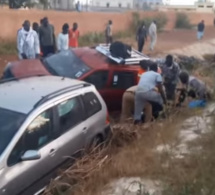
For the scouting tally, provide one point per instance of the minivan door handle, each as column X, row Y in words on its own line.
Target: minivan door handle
column 52, row 152
column 84, row 130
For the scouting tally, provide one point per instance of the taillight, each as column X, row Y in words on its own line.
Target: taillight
column 107, row 118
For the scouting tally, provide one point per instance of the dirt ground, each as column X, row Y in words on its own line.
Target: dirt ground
column 11, row 20
column 175, row 39
column 167, row 41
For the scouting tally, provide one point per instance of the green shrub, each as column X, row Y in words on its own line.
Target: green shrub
column 160, row 18
column 91, row 39
column 135, row 21
column 7, row 48
column 122, row 34
column 182, row 21
column 94, row 38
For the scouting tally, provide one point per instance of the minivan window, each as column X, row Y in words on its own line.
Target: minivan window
column 92, row 103
column 66, row 64
column 70, row 113
column 10, row 123
column 37, row 135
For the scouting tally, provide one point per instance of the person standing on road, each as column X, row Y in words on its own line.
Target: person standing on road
column 63, row 39
column 141, row 37
column 201, row 29
column 170, row 73
column 109, row 32
column 73, row 36
column 47, row 38
column 153, row 35
column 28, row 43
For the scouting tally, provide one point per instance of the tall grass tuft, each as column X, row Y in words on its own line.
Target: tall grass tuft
column 182, row 21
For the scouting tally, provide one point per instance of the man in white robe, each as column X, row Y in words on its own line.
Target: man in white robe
column 153, row 35
column 28, row 42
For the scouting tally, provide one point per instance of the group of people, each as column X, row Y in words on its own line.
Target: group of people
column 40, row 40
column 162, row 83
column 142, row 34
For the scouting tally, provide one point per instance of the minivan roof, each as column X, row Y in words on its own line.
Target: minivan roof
column 21, row 95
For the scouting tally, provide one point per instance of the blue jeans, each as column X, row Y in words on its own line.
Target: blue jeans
column 200, row 35
column 141, row 98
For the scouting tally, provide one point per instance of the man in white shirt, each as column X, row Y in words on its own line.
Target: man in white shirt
column 146, row 91
column 63, row 39
column 109, row 32
column 28, row 42
column 153, row 35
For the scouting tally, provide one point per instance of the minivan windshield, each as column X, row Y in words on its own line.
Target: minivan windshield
column 10, row 122
column 66, row 64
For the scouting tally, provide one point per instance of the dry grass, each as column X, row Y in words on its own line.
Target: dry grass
column 130, row 153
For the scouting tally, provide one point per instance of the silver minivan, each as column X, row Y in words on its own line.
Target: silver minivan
column 43, row 121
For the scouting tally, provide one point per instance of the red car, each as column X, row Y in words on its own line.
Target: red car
column 111, row 76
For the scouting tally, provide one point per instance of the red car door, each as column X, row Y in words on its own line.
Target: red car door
column 120, row 80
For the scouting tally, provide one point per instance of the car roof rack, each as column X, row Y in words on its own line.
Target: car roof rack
column 135, row 58
column 60, row 92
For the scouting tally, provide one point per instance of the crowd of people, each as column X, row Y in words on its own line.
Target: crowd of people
column 40, row 40
column 162, row 83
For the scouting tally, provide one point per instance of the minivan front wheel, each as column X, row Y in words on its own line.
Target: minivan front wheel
column 97, row 143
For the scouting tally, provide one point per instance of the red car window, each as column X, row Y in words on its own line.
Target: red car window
column 99, row 79
column 123, row 80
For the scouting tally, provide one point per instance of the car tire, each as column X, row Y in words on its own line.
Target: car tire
column 97, row 143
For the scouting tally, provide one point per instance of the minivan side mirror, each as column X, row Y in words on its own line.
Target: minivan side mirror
column 31, row 155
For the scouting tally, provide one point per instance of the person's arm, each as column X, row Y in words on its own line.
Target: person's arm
column 18, row 40
column 108, row 31
column 161, row 91
column 21, row 44
column 36, row 44
column 137, row 35
column 40, row 36
column 145, row 34
column 54, row 38
column 70, row 33
column 59, row 43
column 160, row 87
column 154, row 30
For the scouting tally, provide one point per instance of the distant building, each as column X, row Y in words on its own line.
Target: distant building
column 112, row 3
column 68, row 4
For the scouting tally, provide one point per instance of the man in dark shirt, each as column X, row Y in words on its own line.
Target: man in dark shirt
column 170, row 73
column 141, row 36
column 201, row 28
column 47, row 38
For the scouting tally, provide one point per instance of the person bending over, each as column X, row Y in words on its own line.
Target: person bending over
column 146, row 91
